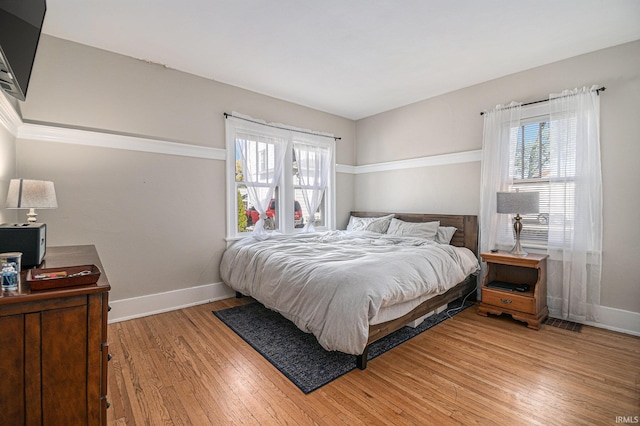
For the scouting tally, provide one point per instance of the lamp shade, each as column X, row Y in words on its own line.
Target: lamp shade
column 31, row 194
column 518, row 202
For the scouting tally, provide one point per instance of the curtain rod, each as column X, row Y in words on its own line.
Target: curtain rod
column 227, row 115
column 602, row 89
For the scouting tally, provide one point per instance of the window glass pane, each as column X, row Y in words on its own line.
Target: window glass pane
column 272, row 222
column 253, row 216
column 301, row 215
column 243, row 208
column 532, row 151
column 319, row 216
column 563, row 162
column 239, row 176
column 260, row 158
column 299, row 210
column 545, row 154
column 535, row 226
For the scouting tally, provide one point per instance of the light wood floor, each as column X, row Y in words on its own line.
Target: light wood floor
column 186, row 367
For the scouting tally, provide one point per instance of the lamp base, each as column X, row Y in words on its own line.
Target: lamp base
column 517, row 249
column 32, row 216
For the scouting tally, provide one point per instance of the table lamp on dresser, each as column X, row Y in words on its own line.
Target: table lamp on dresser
column 31, row 194
column 27, row 239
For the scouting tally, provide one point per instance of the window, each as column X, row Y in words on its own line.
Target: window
column 275, row 176
column 535, row 168
column 554, row 148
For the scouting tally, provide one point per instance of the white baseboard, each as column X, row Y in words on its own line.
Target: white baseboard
column 137, row 307
column 612, row 319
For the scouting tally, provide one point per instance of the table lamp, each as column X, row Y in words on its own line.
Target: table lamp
column 31, row 194
column 518, row 202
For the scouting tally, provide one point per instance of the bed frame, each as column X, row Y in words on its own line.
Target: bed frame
column 466, row 236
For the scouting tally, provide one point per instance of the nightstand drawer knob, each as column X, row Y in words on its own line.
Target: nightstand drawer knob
column 506, row 301
column 109, row 356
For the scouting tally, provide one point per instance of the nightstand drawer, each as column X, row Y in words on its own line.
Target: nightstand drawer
column 509, row 300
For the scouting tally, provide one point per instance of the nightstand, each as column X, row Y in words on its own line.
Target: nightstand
column 503, row 274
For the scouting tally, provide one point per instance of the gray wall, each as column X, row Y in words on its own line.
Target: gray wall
column 452, row 123
column 157, row 220
column 7, row 171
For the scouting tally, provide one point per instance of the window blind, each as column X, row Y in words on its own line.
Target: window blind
column 536, row 167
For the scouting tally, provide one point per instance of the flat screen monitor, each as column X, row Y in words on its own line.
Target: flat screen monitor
column 20, row 28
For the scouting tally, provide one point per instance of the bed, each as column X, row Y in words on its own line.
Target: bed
column 351, row 288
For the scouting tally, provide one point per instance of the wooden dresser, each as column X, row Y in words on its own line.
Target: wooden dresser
column 53, row 348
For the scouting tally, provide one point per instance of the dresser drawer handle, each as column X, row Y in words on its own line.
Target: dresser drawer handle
column 506, row 301
column 109, row 356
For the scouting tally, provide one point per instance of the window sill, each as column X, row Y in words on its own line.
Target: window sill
column 554, row 254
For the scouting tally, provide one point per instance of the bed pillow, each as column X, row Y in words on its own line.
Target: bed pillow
column 427, row 230
column 445, row 234
column 375, row 224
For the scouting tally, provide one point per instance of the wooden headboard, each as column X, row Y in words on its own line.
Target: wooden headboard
column 467, row 225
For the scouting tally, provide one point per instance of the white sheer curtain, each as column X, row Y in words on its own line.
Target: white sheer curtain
column 262, row 157
column 500, row 137
column 575, row 223
column 314, row 164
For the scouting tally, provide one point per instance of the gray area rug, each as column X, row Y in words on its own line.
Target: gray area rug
column 298, row 355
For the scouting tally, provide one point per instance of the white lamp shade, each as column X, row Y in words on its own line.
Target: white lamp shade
column 31, row 194
column 518, row 202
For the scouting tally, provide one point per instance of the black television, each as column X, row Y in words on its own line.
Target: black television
column 20, row 27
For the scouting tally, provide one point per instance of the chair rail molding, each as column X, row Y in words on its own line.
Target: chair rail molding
column 12, row 121
column 412, row 163
column 112, row 140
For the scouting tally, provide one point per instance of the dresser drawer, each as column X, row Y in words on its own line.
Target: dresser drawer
column 509, row 300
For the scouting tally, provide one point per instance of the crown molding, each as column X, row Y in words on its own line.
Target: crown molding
column 110, row 140
column 9, row 117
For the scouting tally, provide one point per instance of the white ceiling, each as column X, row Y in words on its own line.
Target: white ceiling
column 353, row 58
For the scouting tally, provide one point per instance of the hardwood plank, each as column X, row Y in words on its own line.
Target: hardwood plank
column 187, row 367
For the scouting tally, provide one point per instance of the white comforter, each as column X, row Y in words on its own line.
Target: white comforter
column 332, row 284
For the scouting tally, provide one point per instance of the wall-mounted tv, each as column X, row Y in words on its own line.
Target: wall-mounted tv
column 20, row 27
